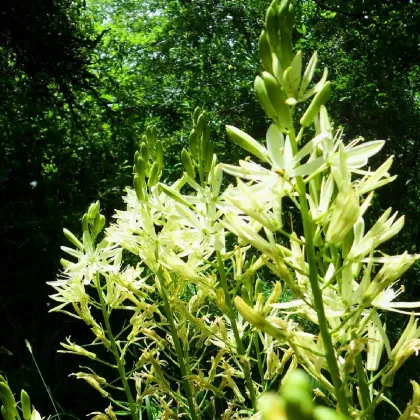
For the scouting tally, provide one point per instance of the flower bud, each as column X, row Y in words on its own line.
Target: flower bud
column 144, row 150
column 72, row 238
column 262, row 96
column 272, row 25
column 245, row 141
column 193, row 143
column 154, row 175
column 138, row 187
column 309, row 73
column 25, row 403
column 8, row 401
column 187, row 162
column 277, row 97
column 265, row 52
column 319, row 99
column 196, row 114
column 159, row 154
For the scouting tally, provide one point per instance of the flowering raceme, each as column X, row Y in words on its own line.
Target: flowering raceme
column 202, row 271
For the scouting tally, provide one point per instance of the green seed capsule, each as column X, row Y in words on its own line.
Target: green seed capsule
column 319, row 99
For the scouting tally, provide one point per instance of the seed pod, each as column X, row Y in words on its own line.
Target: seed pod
column 138, row 187
column 196, row 114
column 25, row 404
column 313, row 109
column 265, row 52
column 187, row 162
column 277, row 98
column 154, row 175
column 262, row 97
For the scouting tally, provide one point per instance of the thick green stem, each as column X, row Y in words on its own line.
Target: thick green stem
column 179, row 353
column 115, row 351
column 239, row 345
column 316, row 290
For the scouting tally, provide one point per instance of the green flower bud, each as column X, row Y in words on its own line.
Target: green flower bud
column 187, row 162
column 159, row 154
column 141, row 167
column 193, row 143
column 201, row 122
column 313, row 109
column 138, row 185
column 258, row 288
column 277, row 97
column 154, row 175
column 99, row 223
column 265, row 52
column 25, row 404
column 85, row 223
column 73, row 239
column 297, row 393
column 262, row 96
column 8, row 401
column 93, row 210
column 309, row 73
column 208, row 156
column 175, row 195
column 144, row 150
column 196, row 114
column 245, row 295
column 151, row 135
column 245, row 141
column 325, row 413
column 272, row 25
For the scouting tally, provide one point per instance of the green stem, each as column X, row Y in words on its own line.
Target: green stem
column 316, row 291
column 178, row 348
column 114, row 348
column 239, row 345
column 364, row 390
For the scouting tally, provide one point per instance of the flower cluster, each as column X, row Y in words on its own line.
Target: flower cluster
column 203, row 270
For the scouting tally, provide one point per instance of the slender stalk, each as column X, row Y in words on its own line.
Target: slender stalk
column 178, row 348
column 364, row 390
column 316, row 291
column 115, row 352
column 259, row 361
column 239, row 345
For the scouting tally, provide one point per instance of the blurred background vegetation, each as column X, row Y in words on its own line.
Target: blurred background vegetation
column 80, row 80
